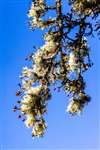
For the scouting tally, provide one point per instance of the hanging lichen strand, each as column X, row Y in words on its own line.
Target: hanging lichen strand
column 64, row 57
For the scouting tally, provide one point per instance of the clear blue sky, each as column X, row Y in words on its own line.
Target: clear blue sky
column 64, row 131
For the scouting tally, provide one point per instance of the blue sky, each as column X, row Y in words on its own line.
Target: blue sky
column 64, row 131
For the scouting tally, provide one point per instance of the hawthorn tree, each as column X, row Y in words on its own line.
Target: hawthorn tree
column 64, row 57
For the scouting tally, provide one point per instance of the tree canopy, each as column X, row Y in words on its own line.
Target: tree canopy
column 64, row 57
